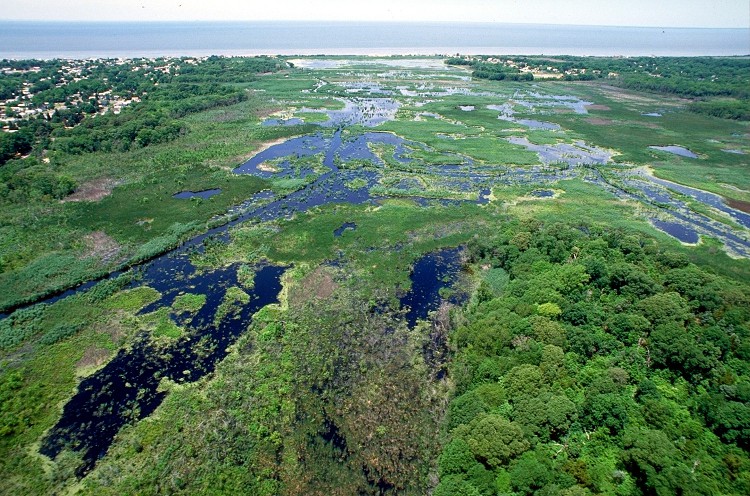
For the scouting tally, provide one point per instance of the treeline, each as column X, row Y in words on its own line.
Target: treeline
column 692, row 77
column 31, row 180
column 117, row 133
column 230, row 69
column 15, row 144
column 154, row 120
column 593, row 362
column 490, row 70
column 723, row 108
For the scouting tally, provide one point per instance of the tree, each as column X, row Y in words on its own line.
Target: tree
column 465, row 408
column 545, row 330
column 456, row 458
column 549, row 310
column 703, row 290
column 628, row 327
column 482, row 479
column 609, row 410
column 494, row 440
column 654, row 462
column 523, row 380
column 664, row 307
column 552, row 364
column 729, row 419
column 529, row 474
column 676, row 348
column 630, row 281
column 455, row 486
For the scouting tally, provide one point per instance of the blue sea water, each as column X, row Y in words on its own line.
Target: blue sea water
column 130, row 39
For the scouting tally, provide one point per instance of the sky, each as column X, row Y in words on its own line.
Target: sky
column 660, row 13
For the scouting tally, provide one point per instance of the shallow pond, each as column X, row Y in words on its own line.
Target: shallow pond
column 533, row 100
column 350, row 226
column 368, row 112
column 431, row 273
column 294, row 121
column 676, row 150
column 532, row 124
column 679, row 231
column 507, row 113
column 206, row 193
column 577, row 154
column 542, row 193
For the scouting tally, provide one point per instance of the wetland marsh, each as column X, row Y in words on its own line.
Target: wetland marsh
column 304, row 272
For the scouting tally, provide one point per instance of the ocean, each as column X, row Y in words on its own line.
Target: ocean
column 46, row 40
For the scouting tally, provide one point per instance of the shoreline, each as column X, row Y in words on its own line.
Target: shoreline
column 341, row 52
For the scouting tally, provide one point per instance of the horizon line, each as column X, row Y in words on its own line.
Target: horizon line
column 354, row 21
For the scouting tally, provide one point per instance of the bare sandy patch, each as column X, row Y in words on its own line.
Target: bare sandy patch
column 266, row 167
column 318, row 284
column 598, row 121
column 649, row 125
column 93, row 358
column 266, row 146
column 597, row 107
column 740, row 205
column 93, row 190
column 100, row 245
column 265, row 113
column 623, row 95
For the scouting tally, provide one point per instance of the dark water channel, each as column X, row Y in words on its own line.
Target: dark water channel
column 431, row 273
column 126, row 389
column 205, row 194
column 346, row 226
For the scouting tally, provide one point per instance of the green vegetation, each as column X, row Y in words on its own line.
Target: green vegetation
column 491, row 71
column 189, row 302
column 609, row 359
column 579, row 350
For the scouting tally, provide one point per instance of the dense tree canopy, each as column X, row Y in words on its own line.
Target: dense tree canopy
column 621, row 370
